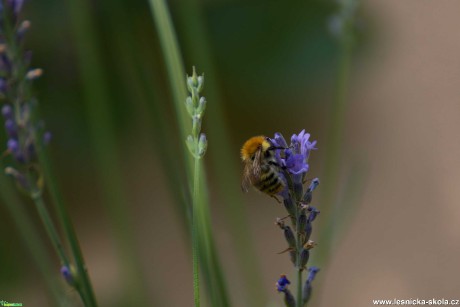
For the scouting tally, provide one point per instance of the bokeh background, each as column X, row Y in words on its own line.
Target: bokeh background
column 390, row 219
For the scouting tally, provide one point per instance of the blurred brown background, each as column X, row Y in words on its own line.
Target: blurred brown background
column 404, row 242
column 401, row 125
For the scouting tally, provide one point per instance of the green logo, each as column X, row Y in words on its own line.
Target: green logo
column 5, row 303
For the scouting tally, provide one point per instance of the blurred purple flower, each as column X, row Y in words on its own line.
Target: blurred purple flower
column 25, row 132
column 282, row 283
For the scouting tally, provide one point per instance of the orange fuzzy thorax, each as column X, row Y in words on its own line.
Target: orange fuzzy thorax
column 252, row 145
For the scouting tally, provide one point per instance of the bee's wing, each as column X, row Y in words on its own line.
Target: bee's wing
column 251, row 172
column 246, row 180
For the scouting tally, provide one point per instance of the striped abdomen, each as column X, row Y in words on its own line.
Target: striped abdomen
column 270, row 181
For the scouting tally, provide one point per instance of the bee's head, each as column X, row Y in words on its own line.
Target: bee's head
column 253, row 145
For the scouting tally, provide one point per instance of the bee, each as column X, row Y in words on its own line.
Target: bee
column 260, row 166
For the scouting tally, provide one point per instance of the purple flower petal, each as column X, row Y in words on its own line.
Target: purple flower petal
column 296, row 164
column 12, row 145
column 280, row 141
column 7, row 110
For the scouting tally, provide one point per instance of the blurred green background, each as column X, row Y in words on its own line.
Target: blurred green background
column 391, row 219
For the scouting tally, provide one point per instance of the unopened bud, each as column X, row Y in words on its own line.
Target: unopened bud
column 202, row 145
column 288, row 298
column 289, row 236
column 314, row 184
column 293, row 257
column 189, row 106
column 201, row 106
column 302, row 221
column 289, row 206
column 200, row 83
column 304, row 256
column 70, row 274
column 7, row 111
column 191, row 144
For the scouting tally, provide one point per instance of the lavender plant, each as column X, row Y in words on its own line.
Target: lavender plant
column 208, row 256
column 27, row 139
column 197, row 144
column 293, row 162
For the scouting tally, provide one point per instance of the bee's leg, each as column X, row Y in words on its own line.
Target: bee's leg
column 286, row 250
column 279, row 202
column 283, row 218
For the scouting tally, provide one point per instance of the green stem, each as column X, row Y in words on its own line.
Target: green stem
column 69, row 232
column 54, row 236
column 195, row 236
column 33, row 243
column 334, row 152
column 173, row 61
column 50, row 228
column 211, row 270
column 299, row 253
column 191, row 19
column 98, row 107
column 299, row 287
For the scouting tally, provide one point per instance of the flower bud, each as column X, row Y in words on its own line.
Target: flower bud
column 191, row 144
column 313, row 214
column 302, row 221
column 195, row 83
column 314, row 184
column 306, row 292
column 289, row 298
column 200, row 84
column 47, row 136
column 189, row 106
column 13, row 145
column 289, row 236
column 7, row 111
column 70, row 274
column 304, row 256
column 202, row 145
column 10, row 127
column 307, row 197
column 289, row 205
column 293, row 257
column 201, row 106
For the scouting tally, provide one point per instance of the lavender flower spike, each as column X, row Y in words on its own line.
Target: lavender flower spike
column 25, row 134
column 293, row 166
